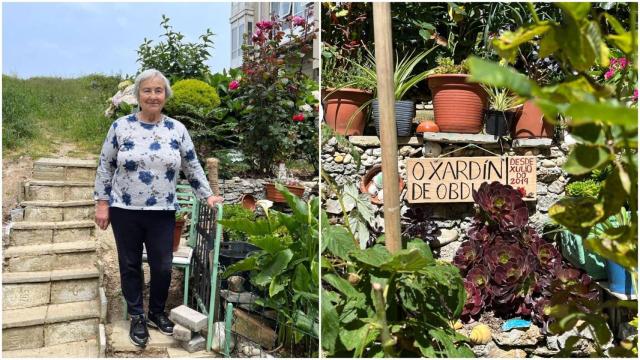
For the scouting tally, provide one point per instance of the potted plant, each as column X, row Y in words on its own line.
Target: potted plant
column 457, row 104
column 530, row 123
column 500, row 115
column 181, row 219
column 344, row 98
column 403, row 81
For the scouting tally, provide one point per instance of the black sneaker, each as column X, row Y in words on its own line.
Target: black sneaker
column 138, row 332
column 161, row 322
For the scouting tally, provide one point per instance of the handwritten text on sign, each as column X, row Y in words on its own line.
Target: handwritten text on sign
column 454, row 179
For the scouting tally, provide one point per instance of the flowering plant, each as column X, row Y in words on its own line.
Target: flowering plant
column 622, row 77
column 280, row 118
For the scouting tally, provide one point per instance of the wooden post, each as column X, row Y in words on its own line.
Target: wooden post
column 388, row 133
column 212, row 168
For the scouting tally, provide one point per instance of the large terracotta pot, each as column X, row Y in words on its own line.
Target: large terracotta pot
column 457, row 105
column 341, row 105
column 530, row 123
column 276, row 196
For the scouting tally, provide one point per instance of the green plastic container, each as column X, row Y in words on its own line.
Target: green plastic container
column 575, row 253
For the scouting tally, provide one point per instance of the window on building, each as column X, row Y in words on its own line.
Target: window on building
column 237, row 39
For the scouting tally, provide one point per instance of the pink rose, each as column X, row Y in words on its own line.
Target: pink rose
column 622, row 62
column 298, row 21
column 609, row 74
column 635, row 95
column 234, row 85
column 264, row 25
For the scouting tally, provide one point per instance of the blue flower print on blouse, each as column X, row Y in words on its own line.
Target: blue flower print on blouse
column 168, row 124
column 147, row 126
column 151, row 201
column 130, row 165
column 131, row 118
column 190, row 155
column 115, row 124
column 126, row 198
column 175, row 144
column 146, row 177
column 107, row 190
column 128, row 145
column 114, row 142
column 155, row 146
column 170, row 174
column 170, row 197
column 194, row 183
column 113, row 163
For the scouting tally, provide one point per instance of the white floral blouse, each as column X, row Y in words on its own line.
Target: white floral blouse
column 140, row 163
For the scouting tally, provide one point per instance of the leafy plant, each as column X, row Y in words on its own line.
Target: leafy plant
column 583, row 188
column 280, row 118
column 506, row 265
column 447, row 66
column 236, row 212
column 501, row 99
column 194, row 94
column 181, row 216
column 286, row 266
column 337, row 72
column 176, row 59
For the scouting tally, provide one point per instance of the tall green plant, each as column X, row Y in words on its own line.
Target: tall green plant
column 603, row 122
column 286, row 266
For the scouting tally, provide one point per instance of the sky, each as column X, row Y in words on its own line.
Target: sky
column 75, row 39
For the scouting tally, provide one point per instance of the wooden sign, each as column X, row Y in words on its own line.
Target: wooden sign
column 437, row 180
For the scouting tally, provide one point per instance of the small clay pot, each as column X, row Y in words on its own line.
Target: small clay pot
column 368, row 178
column 248, row 202
column 427, row 126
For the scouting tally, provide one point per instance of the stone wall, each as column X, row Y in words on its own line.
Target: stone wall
column 452, row 219
column 233, row 189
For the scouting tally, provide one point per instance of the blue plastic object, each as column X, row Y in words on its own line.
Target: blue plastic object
column 516, row 323
column 619, row 279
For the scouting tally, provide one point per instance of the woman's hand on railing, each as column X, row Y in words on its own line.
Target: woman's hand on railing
column 102, row 214
column 213, row 200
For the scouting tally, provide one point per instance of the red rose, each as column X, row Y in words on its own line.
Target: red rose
column 298, row 117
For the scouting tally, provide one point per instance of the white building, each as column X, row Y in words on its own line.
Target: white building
column 244, row 16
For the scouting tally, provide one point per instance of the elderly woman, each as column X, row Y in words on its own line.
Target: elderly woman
column 135, row 190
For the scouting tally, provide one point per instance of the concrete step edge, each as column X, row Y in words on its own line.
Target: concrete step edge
column 59, row 183
column 34, row 225
column 44, row 249
column 51, row 314
column 46, row 276
column 78, row 349
column 66, row 162
column 69, row 203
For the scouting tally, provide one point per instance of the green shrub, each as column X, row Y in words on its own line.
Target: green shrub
column 584, row 188
column 236, row 212
column 192, row 94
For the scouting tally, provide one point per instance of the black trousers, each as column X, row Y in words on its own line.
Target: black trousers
column 154, row 228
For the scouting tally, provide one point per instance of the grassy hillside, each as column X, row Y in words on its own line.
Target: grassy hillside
column 38, row 110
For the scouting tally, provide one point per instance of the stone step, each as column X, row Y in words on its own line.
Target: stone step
column 48, row 232
column 50, row 325
column 58, row 190
column 35, row 288
column 46, row 257
column 58, row 210
column 121, row 346
column 64, row 169
column 76, row 349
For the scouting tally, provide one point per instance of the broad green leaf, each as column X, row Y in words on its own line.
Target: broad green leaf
column 302, row 279
column 577, row 214
column 406, row 260
column 342, row 285
column 622, row 41
column 276, row 286
column 595, row 42
column 585, row 112
column 422, row 247
column 276, row 266
column 508, row 43
column 618, row 244
column 548, row 43
column 298, row 206
column 613, row 194
column 250, row 227
column 338, row 241
column 357, row 338
column 269, row 243
column 246, row 264
column 615, row 24
column 577, row 10
column 590, row 133
column 490, row 73
column 373, row 256
column 584, row 158
column 330, row 325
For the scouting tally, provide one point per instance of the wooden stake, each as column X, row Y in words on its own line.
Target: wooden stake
column 212, row 168
column 388, row 134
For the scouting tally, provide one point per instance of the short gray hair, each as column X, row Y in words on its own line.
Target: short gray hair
column 148, row 74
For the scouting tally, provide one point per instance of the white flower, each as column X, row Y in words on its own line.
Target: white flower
column 265, row 205
column 306, row 108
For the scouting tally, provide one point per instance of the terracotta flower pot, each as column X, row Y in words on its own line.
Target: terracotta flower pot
column 368, row 178
column 530, row 123
column 276, row 196
column 427, row 126
column 341, row 105
column 177, row 231
column 457, row 105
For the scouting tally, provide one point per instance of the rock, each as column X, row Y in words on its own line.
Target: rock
column 561, row 160
column 431, row 149
column 518, row 337
column 368, row 152
column 347, row 159
column 496, row 352
column 552, row 342
column 236, row 283
column 327, row 149
column 333, row 207
column 333, row 167
column 196, row 344
column 548, row 163
column 544, row 351
column 220, row 336
column 181, row 333
column 448, row 252
column 332, row 142
column 338, row 159
column 238, row 297
column 364, row 141
column 447, row 236
column 405, row 150
column 545, row 202
column 377, row 152
column 557, row 187
column 549, row 175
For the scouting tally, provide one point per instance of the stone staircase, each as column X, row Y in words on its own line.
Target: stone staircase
column 53, row 303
